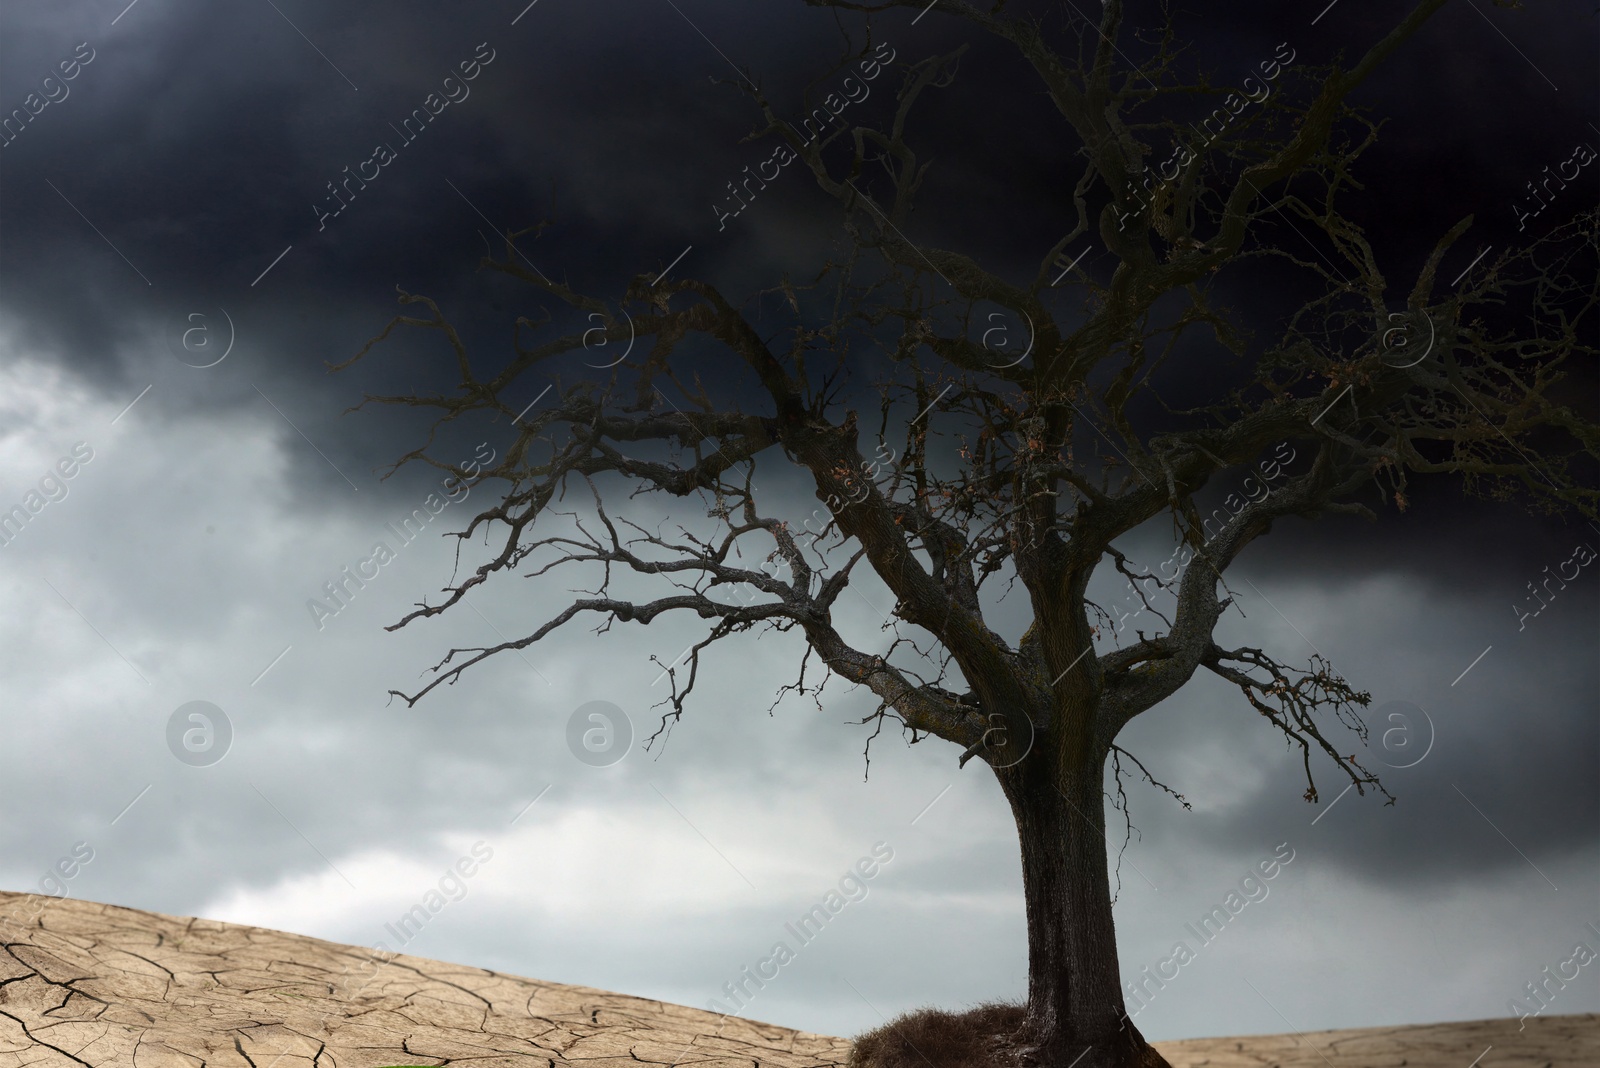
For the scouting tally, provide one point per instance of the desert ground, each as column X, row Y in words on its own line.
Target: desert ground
column 90, row 984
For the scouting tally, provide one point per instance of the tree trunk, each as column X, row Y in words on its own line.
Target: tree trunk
column 1076, row 1017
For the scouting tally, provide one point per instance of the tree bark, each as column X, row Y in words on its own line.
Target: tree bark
column 1075, row 1014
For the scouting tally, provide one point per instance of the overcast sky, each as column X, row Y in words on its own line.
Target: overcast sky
column 178, row 182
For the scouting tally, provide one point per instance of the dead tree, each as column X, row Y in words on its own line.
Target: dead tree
column 997, row 481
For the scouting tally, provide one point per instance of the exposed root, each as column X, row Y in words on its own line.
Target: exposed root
column 983, row 1037
column 988, row 1036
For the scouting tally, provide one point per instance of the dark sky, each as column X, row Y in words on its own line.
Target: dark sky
column 179, row 182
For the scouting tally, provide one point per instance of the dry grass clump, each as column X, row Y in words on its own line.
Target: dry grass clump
column 982, row 1037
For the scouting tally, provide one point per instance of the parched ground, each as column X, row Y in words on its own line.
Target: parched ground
column 1545, row 1042
column 89, row 984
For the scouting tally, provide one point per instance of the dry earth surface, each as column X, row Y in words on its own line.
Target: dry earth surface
column 89, row 984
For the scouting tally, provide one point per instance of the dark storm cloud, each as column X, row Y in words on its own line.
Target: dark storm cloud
column 1524, row 706
column 201, row 143
column 202, row 147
